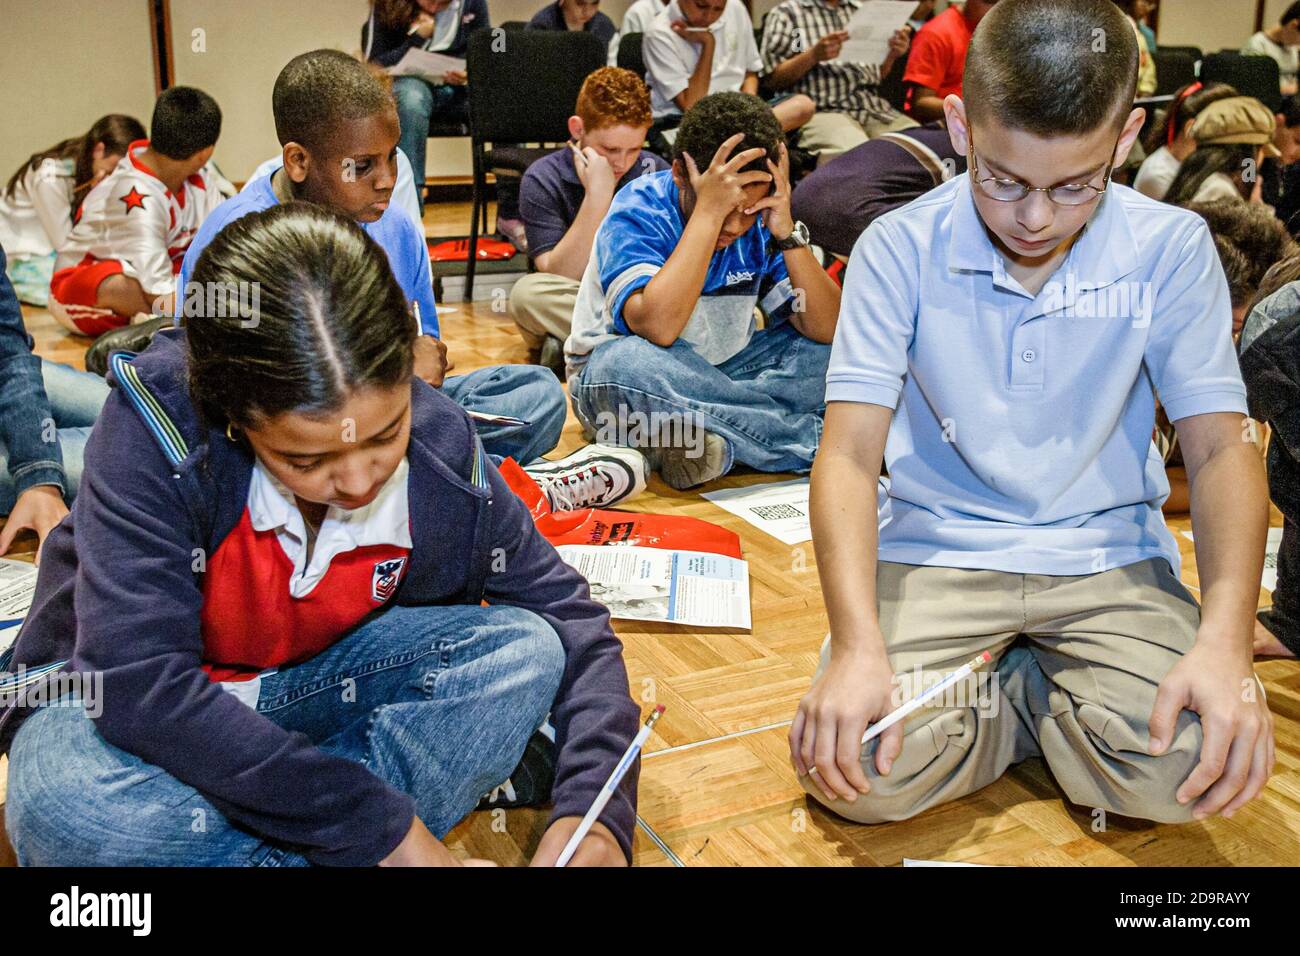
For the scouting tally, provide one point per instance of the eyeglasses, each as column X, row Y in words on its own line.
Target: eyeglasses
column 1013, row 190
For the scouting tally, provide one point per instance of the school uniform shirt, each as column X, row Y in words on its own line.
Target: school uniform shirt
column 640, row 232
column 937, row 58
column 37, row 218
column 305, row 603
column 638, row 18
column 551, row 17
column 119, row 595
column 1157, row 172
column 1216, row 187
column 1287, row 57
column 400, row 237
column 670, row 60
column 551, row 195
column 837, row 86
column 1022, row 432
column 132, row 217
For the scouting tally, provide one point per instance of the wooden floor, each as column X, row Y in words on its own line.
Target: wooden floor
column 717, row 788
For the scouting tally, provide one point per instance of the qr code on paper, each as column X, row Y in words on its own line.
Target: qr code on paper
column 776, row 512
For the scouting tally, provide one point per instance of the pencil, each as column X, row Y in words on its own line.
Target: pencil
column 611, row 785
column 921, row 699
column 578, row 153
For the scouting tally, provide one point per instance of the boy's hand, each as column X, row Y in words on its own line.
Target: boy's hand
column 598, row 847
column 431, row 362
column 691, row 34
column 828, row 47
column 595, row 174
column 1218, row 684
column 455, row 77
column 898, row 44
column 720, row 189
column 776, row 207
column 38, row 509
column 423, row 24
column 854, row 691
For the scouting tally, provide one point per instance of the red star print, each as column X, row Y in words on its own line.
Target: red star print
column 133, row 200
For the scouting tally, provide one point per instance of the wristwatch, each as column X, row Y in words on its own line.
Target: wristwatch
column 797, row 239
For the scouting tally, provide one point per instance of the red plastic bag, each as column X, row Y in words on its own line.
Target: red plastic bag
column 606, row 526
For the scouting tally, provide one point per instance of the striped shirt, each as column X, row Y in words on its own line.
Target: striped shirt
column 796, row 25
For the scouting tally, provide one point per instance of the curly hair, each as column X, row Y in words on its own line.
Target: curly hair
column 719, row 116
column 612, row 96
column 1249, row 240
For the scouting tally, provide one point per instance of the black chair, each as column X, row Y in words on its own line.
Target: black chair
column 629, row 53
column 1174, row 70
column 521, row 94
column 515, row 25
column 1194, row 52
column 1256, row 76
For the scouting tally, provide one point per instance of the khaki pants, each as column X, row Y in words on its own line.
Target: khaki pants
column 1077, row 689
column 542, row 304
column 830, row 134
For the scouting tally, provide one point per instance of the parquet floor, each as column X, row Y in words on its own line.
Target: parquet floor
column 717, row 788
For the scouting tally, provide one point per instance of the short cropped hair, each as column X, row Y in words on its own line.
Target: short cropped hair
column 1052, row 67
column 185, row 121
column 612, row 96
column 318, row 90
column 719, row 116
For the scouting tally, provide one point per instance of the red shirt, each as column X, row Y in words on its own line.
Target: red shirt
column 938, row 55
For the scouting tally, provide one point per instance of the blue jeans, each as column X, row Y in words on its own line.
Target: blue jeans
column 767, row 400
column 418, row 102
column 527, row 392
column 441, row 703
column 75, row 400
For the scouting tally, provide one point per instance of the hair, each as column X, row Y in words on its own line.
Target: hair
column 1283, row 272
column 185, row 121
column 717, row 117
column 612, row 96
column 1052, row 67
column 1249, row 239
column 1292, row 12
column 395, row 13
column 1187, row 104
column 331, row 318
column 1231, row 159
column 1290, row 111
column 318, row 90
column 116, row 131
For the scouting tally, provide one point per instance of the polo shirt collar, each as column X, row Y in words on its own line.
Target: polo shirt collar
column 1104, row 253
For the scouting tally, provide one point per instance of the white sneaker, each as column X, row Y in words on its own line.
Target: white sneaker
column 596, row 476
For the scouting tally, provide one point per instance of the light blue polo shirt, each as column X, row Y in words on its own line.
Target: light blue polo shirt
column 1021, row 437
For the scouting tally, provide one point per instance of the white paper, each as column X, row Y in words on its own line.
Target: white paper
column 1271, row 548
column 17, row 585
column 655, row 584
column 780, row 508
column 870, row 29
column 907, row 862
column 427, row 64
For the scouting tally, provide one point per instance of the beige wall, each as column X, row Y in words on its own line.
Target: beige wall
column 1208, row 24
column 54, row 86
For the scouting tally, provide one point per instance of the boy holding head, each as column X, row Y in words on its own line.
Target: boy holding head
column 985, row 352
column 338, row 126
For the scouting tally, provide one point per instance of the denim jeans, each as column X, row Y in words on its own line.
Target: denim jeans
column 527, row 392
column 418, row 102
column 75, row 400
column 767, row 400
column 438, row 701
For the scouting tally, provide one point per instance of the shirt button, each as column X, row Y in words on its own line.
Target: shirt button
column 1028, row 355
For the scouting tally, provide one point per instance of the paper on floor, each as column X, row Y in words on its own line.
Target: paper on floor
column 779, row 508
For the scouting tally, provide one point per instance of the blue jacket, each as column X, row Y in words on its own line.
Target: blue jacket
column 117, row 594
column 24, row 405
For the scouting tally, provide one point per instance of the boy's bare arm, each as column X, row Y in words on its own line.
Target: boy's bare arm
column 1216, row 679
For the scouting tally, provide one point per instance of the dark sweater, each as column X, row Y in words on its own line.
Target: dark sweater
column 386, row 45
column 551, row 17
column 117, row 595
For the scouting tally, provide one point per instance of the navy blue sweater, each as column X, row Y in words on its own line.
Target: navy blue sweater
column 386, row 45
column 117, row 595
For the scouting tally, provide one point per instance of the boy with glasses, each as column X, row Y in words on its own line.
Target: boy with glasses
column 1000, row 346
